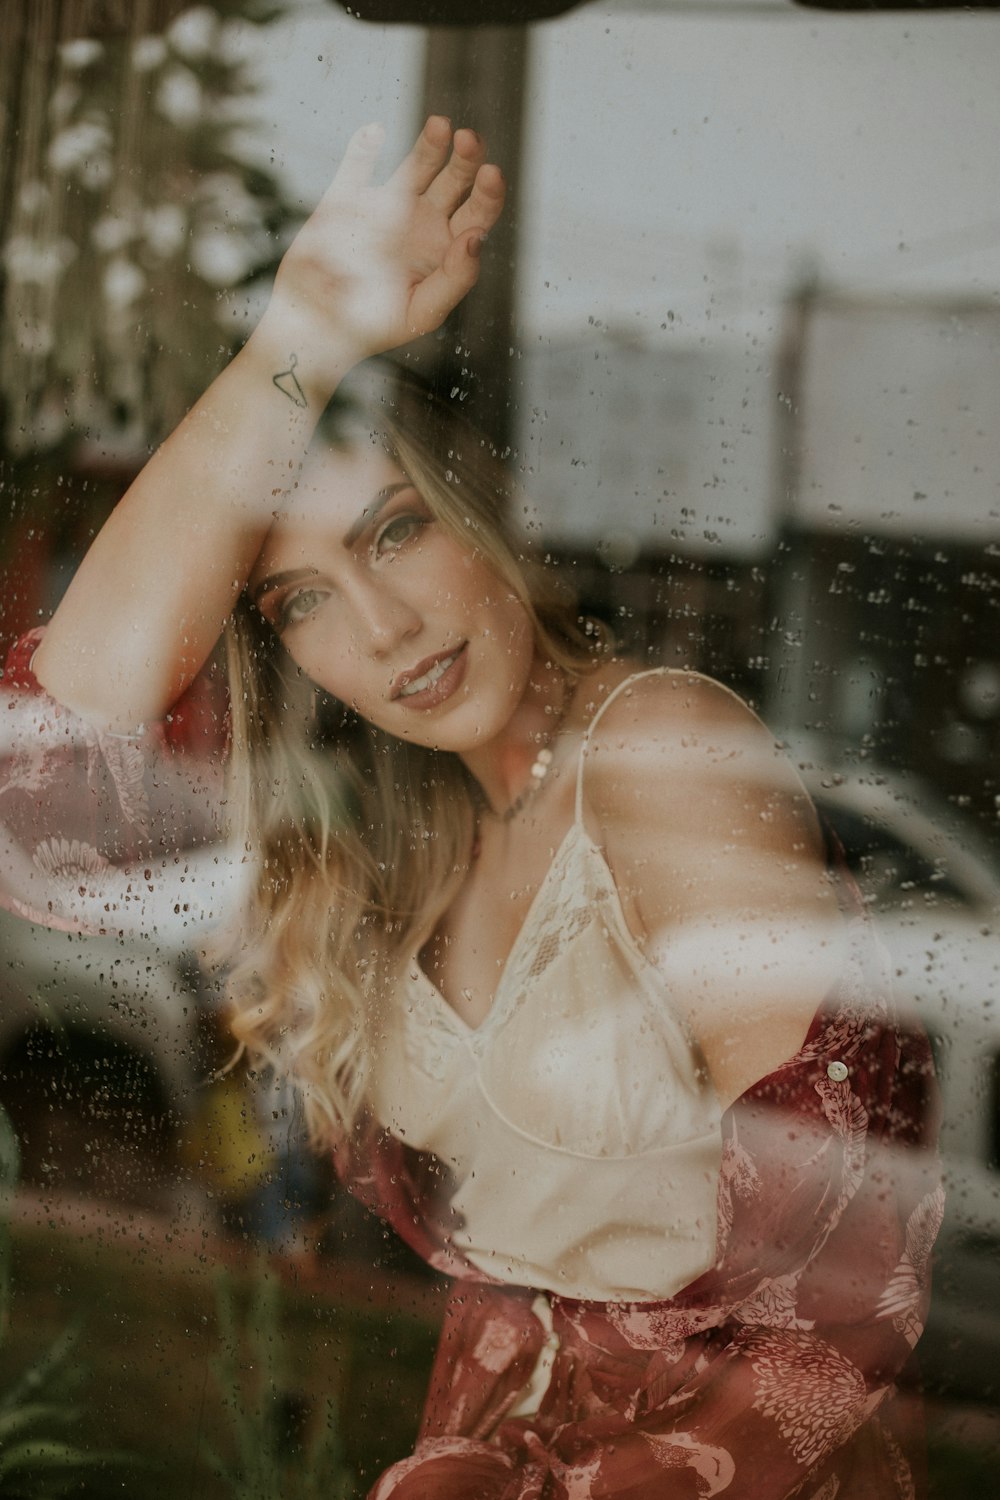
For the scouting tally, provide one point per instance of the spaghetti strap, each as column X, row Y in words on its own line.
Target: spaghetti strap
column 635, row 677
column 626, row 682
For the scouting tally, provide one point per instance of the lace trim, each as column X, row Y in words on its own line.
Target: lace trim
column 428, row 1036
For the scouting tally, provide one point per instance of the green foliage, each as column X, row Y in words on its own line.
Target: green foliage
column 278, row 1456
column 141, row 210
column 10, row 1169
column 37, row 1455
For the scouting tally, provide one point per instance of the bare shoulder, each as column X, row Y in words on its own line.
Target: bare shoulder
column 718, row 858
column 622, row 700
column 683, row 749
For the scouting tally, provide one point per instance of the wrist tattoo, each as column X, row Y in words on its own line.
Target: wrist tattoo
column 288, row 382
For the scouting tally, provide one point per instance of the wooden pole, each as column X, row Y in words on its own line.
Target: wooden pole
column 475, row 75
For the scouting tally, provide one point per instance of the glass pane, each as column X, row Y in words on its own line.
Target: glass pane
column 453, row 915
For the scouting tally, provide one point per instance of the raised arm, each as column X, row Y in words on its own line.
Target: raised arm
column 373, row 267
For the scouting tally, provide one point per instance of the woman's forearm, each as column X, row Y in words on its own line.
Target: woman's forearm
column 150, row 598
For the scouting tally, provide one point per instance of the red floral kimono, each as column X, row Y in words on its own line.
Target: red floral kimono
column 772, row 1375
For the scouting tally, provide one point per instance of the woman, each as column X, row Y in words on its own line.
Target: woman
column 552, row 944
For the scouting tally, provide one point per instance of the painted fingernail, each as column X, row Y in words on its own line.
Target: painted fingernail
column 475, row 246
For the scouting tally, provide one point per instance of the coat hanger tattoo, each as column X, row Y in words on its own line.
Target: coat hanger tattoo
column 288, row 383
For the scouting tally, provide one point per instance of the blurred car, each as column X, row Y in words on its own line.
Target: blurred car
column 932, row 883
column 99, row 1060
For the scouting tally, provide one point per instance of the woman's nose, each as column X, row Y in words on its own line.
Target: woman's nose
column 386, row 618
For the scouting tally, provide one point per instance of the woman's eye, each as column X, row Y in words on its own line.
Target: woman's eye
column 397, row 531
column 297, row 606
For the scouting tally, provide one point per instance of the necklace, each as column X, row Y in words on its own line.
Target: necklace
column 539, row 767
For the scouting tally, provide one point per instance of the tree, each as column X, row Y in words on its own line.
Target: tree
column 132, row 211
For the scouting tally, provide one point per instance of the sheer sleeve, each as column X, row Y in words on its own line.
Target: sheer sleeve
column 791, row 1390
column 110, row 833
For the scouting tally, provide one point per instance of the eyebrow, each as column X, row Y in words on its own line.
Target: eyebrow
column 369, row 513
column 291, row 575
column 278, row 580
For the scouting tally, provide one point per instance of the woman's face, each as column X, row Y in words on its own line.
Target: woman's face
column 382, row 607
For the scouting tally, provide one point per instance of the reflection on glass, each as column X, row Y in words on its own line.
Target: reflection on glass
column 405, row 750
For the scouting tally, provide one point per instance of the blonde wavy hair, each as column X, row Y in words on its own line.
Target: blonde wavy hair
column 361, row 839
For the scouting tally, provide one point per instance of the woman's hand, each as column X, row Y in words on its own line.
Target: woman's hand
column 375, row 266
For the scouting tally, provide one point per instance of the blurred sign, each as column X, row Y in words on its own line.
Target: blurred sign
column 646, row 447
column 456, row 12
column 518, row 12
column 897, row 419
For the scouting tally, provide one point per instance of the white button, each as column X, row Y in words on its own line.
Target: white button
column 837, row 1071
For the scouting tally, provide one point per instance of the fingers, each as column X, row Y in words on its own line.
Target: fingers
column 484, row 204
column 446, row 181
column 430, row 153
column 451, row 185
column 434, row 298
column 358, row 164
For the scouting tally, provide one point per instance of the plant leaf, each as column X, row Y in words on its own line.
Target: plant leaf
column 22, row 1418
column 50, row 1373
column 10, row 1171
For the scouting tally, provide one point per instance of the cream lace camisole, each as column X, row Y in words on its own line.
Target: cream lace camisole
column 577, row 1120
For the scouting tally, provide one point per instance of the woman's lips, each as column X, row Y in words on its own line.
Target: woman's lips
column 442, row 684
